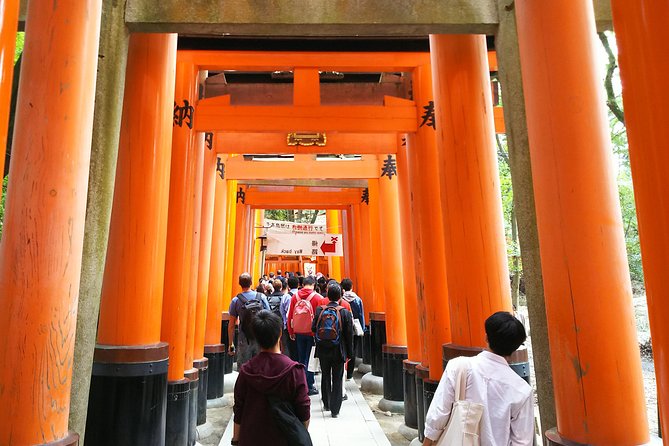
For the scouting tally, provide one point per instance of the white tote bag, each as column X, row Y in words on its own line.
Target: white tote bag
column 357, row 328
column 463, row 426
column 314, row 362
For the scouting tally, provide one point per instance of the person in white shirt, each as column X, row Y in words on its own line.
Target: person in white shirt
column 508, row 415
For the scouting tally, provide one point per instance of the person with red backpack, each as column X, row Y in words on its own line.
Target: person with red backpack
column 300, row 319
column 333, row 328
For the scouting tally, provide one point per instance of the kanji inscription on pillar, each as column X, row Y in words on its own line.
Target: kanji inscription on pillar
column 428, row 116
column 220, row 168
column 209, row 140
column 241, row 195
column 365, row 196
column 389, row 168
column 183, row 114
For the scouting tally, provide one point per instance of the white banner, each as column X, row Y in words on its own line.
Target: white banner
column 305, row 244
column 285, row 227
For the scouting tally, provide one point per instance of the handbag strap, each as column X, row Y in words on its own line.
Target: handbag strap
column 461, row 379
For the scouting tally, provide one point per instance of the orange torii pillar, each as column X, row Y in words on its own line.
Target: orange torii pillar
column 200, row 361
column 129, row 382
column 241, row 241
column 332, row 217
column 343, row 260
column 257, row 231
column 643, row 68
column 414, row 335
column 429, row 256
column 394, row 351
column 214, row 349
column 9, row 11
column 230, row 237
column 367, row 281
column 196, row 401
column 471, row 202
column 41, row 250
column 178, row 257
column 377, row 315
column 594, row 352
column 349, row 270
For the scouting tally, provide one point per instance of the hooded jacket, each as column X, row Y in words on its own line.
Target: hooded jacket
column 304, row 293
column 268, row 374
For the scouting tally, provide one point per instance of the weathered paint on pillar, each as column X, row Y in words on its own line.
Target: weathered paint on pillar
column 508, row 60
column 414, row 335
column 179, row 225
column 471, row 202
column 643, row 65
column 217, row 296
column 195, row 250
column 349, row 246
column 332, row 217
column 9, row 11
column 378, row 304
column 41, row 249
column 430, row 260
column 230, row 226
column 112, row 58
column 586, row 277
column 360, row 286
column 391, row 260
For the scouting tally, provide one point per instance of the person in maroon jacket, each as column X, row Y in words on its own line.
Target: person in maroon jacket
column 270, row 373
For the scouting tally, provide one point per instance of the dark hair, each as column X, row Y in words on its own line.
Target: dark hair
column 245, row 280
column 293, row 282
column 260, row 288
column 300, row 281
column 271, row 275
column 347, row 284
column 266, row 328
column 309, row 280
column 505, row 333
column 278, row 271
column 321, row 280
column 334, row 292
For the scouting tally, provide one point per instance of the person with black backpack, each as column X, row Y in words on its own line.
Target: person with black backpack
column 333, row 329
column 244, row 307
column 274, row 299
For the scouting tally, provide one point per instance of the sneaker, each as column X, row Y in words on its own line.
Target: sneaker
column 312, row 392
column 335, row 415
column 344, row 398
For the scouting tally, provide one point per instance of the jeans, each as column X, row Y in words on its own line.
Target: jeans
column 304, row 344
column 332, row 368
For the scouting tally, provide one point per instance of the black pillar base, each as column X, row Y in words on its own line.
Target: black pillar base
column 410, row 402
column 367, row 346
column 227, row 359
column 72, row 439
column 128, row 396
column 216, row 354
column 429, row 387
column 553, row 438
column 450, row 351
column 202, row 366
column 393, row 382
column 422, row 373
column 192, row 376
column 178, row 407
column 519, row 361
column 378, row 338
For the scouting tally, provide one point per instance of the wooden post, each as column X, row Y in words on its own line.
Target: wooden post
column 229, row 228
column 332, row 217
column 591, row 324
column 643, row 65
column 41, row 249
column 378, row 304
column 471, row 201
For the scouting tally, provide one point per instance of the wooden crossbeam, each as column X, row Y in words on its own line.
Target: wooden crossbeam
column 276, row 143
column 304, row 197
column 303, row 167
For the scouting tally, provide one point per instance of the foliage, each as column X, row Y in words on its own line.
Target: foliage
column 297, row 216
column 2, row 204
column 18, row 49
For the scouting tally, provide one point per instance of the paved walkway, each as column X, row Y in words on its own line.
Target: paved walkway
column 356, row 424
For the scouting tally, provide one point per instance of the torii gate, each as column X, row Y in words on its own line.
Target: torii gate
column 40, row 286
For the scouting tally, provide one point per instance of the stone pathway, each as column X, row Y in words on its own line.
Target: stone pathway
column 356, row 424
